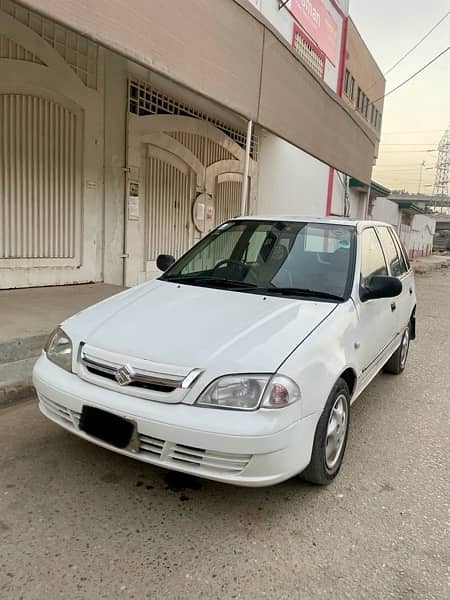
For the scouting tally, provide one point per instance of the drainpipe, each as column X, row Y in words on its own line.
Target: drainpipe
column 246, row 168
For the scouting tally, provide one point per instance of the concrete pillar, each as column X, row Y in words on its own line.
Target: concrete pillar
column 115, row 98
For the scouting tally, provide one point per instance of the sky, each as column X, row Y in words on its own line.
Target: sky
column 415, row 116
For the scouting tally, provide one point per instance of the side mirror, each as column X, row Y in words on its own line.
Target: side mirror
column 381, row 287
column 164, row 261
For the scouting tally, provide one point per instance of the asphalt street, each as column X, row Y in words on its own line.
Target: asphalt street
column 78, row 521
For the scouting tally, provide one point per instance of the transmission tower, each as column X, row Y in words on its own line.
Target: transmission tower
column 440, row 188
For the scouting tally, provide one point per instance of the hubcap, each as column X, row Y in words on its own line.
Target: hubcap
column 336, row 431
column 405, row 347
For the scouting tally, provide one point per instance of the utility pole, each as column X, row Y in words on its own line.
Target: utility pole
column 422, row 164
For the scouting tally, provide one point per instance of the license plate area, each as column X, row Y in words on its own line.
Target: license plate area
column 111, row 429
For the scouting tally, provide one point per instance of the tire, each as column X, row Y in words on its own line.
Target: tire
column 397, row 363
column 325, row 463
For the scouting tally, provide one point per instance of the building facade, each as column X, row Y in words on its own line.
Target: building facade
column 107, row 162
column 363, row 90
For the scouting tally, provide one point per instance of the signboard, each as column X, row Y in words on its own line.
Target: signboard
column 203, row 213
column 133, row 200
column 319, row 24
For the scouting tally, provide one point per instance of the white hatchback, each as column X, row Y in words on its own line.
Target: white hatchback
column 241, row 361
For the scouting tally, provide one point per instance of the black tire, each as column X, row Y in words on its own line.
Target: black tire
column 397, row 363
column 319, row 470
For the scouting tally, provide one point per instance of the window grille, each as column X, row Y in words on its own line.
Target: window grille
column 309, row 52
column 14, row 51
column 143, row 99
column 80, row 53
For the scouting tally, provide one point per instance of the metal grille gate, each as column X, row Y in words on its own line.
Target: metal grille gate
column 228, row 200
column 168, row 192
column 39, row 178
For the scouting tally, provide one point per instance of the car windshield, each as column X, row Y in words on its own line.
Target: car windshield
column 294, row 259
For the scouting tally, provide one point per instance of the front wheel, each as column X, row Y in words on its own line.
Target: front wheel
column 397, row 363
column 330, row 439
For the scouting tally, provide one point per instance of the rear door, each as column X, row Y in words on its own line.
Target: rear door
column 399, row 267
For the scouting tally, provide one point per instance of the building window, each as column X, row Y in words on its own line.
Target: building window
column 373, row 114
column 352, row 88
column 361, row 101
column 346, row 81
column 378, row 123
column 308, row 51
column 366, row 108
column 349, row 84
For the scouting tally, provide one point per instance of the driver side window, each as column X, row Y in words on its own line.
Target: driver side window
column 373, row 262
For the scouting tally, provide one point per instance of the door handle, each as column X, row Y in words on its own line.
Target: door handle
column 393, row 306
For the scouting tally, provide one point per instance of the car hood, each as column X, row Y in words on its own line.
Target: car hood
column 191, row 326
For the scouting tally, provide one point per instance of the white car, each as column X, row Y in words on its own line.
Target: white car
column 241, row 361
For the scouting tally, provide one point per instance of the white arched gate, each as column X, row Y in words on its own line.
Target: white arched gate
column 174, row 161
column 50, row 170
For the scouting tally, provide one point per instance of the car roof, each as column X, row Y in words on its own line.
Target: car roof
column 359, row 223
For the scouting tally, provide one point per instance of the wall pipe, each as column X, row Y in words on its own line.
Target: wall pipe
column 248, row 144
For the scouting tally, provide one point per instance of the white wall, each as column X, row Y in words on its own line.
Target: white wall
column 416, row 237
column 386, row 210
column 289, row 180
column 420, row 239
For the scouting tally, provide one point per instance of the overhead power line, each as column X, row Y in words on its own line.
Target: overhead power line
column 409, row 51
column 414, row 74
column 416, row 45
column 405, row 131
column 408, row 151
column 406, row 144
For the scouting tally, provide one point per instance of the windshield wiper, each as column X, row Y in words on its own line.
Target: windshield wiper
column 293, row 291
column 206, row 279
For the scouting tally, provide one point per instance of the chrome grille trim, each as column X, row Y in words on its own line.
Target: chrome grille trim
column 171, row 382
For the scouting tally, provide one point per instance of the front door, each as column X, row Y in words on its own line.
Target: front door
column 378, row 326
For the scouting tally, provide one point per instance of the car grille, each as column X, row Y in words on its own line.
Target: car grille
column 135, row 376
column 161, row 452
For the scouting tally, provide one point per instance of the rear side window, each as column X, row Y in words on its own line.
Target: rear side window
column 401, row 250
column 372, row 258
column 393, row 255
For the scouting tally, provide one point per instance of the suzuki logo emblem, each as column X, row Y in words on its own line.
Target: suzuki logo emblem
column 124, row 375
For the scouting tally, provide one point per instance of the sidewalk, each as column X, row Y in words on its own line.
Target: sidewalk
column 27, row 317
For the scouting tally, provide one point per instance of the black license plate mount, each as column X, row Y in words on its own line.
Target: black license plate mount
column 107, row 427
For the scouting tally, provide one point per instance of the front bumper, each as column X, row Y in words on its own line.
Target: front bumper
column 252, row 449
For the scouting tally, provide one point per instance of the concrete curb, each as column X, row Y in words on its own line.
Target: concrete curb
column 17, row 358
column 21, row 348
column 14, row 394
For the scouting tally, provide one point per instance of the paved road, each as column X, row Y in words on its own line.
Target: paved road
column 77, row 521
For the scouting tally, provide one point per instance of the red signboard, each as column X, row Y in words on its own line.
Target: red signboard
column 319, row 24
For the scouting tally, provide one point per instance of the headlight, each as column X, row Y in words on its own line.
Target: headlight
column 59, row 349
column 248, row 392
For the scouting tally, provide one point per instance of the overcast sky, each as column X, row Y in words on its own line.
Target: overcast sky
column 418, row 113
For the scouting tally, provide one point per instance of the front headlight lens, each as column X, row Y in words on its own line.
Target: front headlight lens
column 243, row 392
column 59, row 349
column 248, row 392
